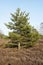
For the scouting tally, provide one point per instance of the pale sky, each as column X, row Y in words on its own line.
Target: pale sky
column 35, row 7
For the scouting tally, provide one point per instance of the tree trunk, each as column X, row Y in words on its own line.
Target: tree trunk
column 19, row 45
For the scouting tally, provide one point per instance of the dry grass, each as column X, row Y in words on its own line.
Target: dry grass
column 30, row 56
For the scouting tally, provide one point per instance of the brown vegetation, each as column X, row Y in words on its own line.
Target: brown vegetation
column 30, row 56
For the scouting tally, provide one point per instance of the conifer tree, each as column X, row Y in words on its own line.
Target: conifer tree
column 21, row 28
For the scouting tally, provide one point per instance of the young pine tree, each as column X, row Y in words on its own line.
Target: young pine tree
column 21, row 28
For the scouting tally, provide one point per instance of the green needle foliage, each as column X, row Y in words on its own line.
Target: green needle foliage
column 22, row 31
